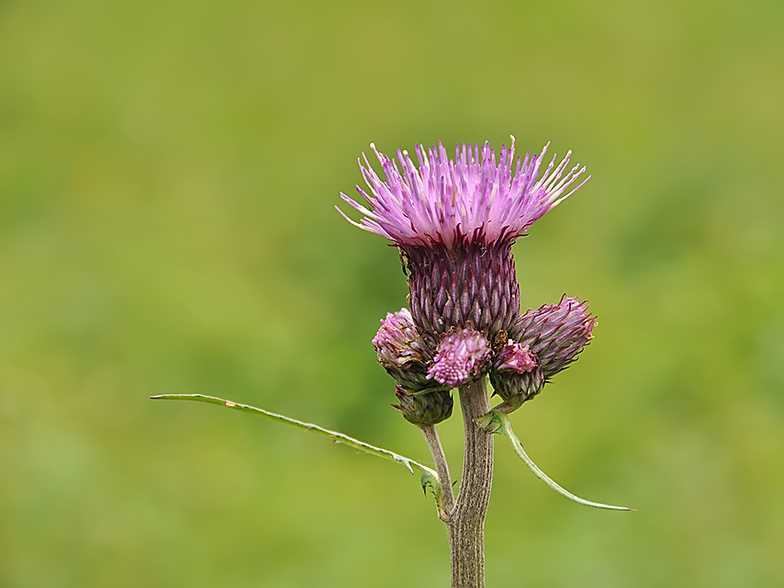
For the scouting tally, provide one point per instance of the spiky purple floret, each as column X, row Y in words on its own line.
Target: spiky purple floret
column 473, row 196
column 461, row 356
column 556, row 333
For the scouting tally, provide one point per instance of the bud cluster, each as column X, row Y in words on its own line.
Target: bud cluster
column 540, row 343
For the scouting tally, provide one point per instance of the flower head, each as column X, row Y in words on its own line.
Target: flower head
column 403, row 352
column 461, row 356
column 454, row 223
column 474, row 197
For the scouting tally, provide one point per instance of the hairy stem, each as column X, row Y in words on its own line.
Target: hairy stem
column 466, row 525
column 445, row 480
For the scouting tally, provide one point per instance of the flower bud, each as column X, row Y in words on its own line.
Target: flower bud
column 402, row 352
column 555, row 333
column 426, row 408
column 462, row 355
column 516, row 375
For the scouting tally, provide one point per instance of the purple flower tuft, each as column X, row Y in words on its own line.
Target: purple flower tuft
column 454, row 223
column 461, row 356
column 473, row 197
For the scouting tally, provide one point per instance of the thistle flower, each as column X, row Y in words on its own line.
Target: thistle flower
column 454, row 222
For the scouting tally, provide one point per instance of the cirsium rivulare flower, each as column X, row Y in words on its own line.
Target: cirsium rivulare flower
column 454, row 222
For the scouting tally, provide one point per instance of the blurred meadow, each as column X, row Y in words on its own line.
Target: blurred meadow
column 168, row 172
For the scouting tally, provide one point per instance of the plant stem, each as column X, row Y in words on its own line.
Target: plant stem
column 445, row 480
column 466, row 524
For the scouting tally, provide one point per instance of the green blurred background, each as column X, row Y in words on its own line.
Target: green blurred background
column 168, row 172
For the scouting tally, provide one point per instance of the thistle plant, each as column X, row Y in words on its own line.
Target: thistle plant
column 454, row 222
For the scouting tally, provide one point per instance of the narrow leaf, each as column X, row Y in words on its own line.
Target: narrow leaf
column 500, row 423
column 429, row 476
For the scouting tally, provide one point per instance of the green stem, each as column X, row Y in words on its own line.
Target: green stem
column 442, row 467
column 429, row 476
column 467, row 521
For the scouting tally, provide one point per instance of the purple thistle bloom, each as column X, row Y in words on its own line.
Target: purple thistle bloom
column 473, row 197
column 461, row 356
column 454, row 222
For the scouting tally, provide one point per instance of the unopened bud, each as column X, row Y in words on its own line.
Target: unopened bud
column 402, row 352
column 555, row 333
column 425, row 408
